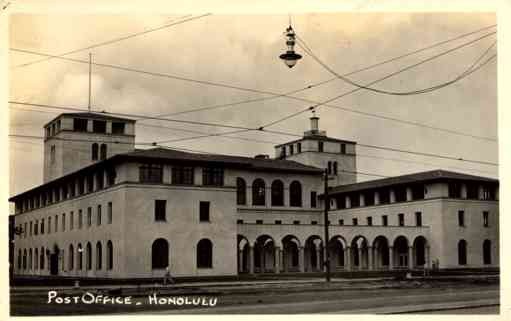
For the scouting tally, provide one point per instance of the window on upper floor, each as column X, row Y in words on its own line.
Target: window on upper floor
column 99, row 126
column 283, row 152
column 94, row 151
column 80, row 219
column 461, row 218
column 258, row 192
column 151, row 173
column 89, row 216
column 355, row 221
column 259, row 221
column 63, row 222
column 110, row 176
column 320, row 146
column 488, row 192
column 369, row 221
column 277, row 193
column 341, row 222
column 314, row 197
column 368, row 198
column 98, row 216
column 472, row 191
column 417, row 192
column 291, row 149
column 354, row 199
column 241, row 191
column 52, row 154
column 118, row 128
column 183, row 175
column 103, row 152
column 334, row 167
column 100, row 179
column 299, row 147
column 213, row 176
column 454, row 189
column 278, row 222
column 295, row 194
column 486, row 221
column 384, row 195
column 90, row 183
column 160, row 210
column 109, row 213
column 400, row 193
column 384, row 220
column 418, row 218
column 329, row 168
column 343, row 148
column 204, row 211
column 296, row 222
column 401, row 219
column 79, row 125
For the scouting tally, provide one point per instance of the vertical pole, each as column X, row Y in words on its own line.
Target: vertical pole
column 90, row 78
column 325, row 223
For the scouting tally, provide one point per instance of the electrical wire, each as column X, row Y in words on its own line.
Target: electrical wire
column 111, row 41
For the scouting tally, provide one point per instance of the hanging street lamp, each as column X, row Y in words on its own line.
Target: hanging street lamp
column 290, row 57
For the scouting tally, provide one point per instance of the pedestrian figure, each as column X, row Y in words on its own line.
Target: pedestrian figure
column 167, row 277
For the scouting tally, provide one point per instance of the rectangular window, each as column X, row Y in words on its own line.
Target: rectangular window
column 80, row 219
column 341, row 222
column 401, row 219
column 417, row 192
column 320, row 146
column 299, row 147
column 291, row 149
column 418, row 218
column 454, row 189
column 212, row 176
column 384, row 220
column 204, row 212
column 89, row 216
column 314, row 222
column 461, row 218
column 100, row 179
column 52, row 154
column 400, row 193
column 239, row 222
column 36, row 227
column 313, row 199
column 343, row 148
column 160, row 210
column 71, row 220
column 182, row 175
column 42, row 226
column 90, row 183
column 278, row 222
column 109, row 213
column 63, row 222
column 98, row 220
column 151, row 173
column 56, row 223
column 296, row 222
column 369, row 221
column 472, row 191
column 99, row 126
column 486, row 219
column 355, row 221
column 118, row 128
column 259, row 221
column 79, row 125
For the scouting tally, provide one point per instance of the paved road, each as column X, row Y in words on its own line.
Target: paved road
column 287, row 300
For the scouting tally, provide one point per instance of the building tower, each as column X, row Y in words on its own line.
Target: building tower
column 75, row 140
column 337, row 156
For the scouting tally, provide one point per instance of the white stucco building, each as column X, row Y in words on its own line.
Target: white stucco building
column 107, row 210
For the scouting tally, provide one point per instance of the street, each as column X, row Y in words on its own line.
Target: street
column 281, row 298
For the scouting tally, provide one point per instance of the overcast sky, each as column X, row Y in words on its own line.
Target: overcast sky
column 243, row 50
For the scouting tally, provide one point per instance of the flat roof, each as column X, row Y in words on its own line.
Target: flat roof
column 92, row 115
column 318, row 138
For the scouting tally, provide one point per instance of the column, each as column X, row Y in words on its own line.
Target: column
column 240, row 261
column 391, row 257
column 284, row 259
column 376, row 198
column 464, row 190
column 408, row 194
column 348, row 202
column 277, row 259
column 347, row 258
column 362, row 200
column 318, row 258
column 428, row 261
column 251, row 259
column 360, row 258
column 392, row 196
column 370, row 258
column 410, row 257
column 261, row 260
column 301, row 262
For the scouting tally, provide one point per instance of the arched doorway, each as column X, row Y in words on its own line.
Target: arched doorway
column 359, row 253
column 313, row 254
column 243, row 254
column 401, row 252
column 264, row 254
column 337, row 252
column 291, row 253
column 420, row 251
column 381, row 253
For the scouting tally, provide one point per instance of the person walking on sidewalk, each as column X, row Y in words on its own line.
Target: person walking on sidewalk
column 167, row 277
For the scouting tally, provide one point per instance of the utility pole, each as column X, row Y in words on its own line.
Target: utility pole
column 326, row 224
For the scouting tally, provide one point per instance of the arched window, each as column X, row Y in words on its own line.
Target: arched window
column 71, row 260
column 109, row 255
column 99, row 256
column 204, row 254
column 160, row 254
column 94, row 151
column 258, row 192
column 487, row 252
column 277, row 193
column 80, row 257
column 88, row 256
column 41, row 265
column 241, row 191
column 102, row 153
column 24, row 259
column 19, row 259
column 462, row 252
column 30, row 259
column 335, row 168
column 295, row 194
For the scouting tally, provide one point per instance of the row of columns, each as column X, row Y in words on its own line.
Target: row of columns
column 349, row 260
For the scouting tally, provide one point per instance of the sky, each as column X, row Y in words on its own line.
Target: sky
column 242, row 51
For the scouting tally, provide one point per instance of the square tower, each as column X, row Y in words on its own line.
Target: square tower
column 337, row 156
column 75, row 140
